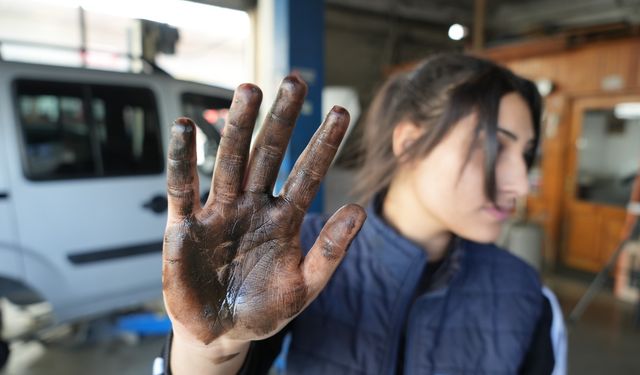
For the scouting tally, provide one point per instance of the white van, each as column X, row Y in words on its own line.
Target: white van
column 82, row 182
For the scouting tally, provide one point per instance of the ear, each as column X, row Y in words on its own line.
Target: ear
column 404, row 135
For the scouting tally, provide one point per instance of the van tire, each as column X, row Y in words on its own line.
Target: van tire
column 4, row 353
column 4, row 346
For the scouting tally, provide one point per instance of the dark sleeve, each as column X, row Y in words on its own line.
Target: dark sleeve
column 540, row 358
column 258, row 361
column 262, row 354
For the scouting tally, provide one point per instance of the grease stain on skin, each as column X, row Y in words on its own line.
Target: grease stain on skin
column 238, row 275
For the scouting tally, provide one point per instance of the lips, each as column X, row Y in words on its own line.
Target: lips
column 499, row 213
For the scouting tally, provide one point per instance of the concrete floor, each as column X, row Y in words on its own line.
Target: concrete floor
column 604, row 341
column 34, row 358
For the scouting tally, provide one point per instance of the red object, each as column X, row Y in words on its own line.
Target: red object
column 628, row 267
column 211, row 115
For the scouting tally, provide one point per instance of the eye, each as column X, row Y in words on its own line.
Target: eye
column 501, row 147
column 529, row 154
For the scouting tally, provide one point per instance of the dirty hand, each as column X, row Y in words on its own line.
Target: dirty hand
column 234, row 267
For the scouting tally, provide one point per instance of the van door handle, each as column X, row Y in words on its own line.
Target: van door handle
column 4, row 195
column 157, row 204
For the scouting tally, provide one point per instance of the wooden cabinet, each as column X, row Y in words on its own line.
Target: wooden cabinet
column 583, row 237
column 593, row 233
column 591, row 70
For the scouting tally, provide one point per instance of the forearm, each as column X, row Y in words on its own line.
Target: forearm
column 219, row 357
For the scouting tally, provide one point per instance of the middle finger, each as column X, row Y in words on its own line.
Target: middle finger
column 273, row 138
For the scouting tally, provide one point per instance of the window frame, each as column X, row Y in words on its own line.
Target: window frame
column 187, row 95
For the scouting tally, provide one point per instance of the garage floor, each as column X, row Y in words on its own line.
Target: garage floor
column 100, row 359
column 603, row 342
column 606, row 340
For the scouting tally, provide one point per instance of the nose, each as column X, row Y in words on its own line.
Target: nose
column 515, row 177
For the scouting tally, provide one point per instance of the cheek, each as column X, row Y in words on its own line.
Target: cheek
column 446, row 192
column 454, row 198
column 470, row 184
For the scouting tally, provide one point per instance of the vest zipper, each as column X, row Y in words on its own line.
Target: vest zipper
column 390, row 363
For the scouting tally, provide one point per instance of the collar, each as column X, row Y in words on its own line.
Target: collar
column 404, row 259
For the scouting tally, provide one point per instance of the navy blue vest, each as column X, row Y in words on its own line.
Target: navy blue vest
column 478, row 318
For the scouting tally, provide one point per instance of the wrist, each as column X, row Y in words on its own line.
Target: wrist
column 223, row 355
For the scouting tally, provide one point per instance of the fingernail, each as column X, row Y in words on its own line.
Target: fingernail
column 338, row 109
column 294, row 83
column 248, row 92
column 339, row 112
column 183, row 125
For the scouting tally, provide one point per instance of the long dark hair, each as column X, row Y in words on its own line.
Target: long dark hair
column 435, row 95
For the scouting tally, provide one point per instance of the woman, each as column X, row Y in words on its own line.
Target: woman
column 421, row 289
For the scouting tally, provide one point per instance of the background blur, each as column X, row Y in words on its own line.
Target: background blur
column 88, row 88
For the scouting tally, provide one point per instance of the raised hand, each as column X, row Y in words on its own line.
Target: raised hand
column 234, row 267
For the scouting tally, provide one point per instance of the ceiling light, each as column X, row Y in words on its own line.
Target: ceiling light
column 627, row 111
column 457, row 31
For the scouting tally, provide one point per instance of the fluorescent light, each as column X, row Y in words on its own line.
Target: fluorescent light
column 179, row 13
column 627, row 111
column 457, row 31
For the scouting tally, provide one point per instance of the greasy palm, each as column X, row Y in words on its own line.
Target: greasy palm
column 234, row 266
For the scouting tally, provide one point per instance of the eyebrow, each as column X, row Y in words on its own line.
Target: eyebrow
column 511, row 135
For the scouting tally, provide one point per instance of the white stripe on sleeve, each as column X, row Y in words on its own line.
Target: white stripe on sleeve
column 558, row 334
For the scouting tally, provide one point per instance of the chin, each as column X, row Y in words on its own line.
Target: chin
column 488, row 234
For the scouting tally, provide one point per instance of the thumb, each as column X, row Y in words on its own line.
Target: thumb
column 330, row 247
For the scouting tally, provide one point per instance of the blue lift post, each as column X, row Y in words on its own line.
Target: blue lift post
column 299, row 47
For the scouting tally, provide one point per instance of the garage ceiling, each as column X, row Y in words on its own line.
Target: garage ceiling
column 505, row 19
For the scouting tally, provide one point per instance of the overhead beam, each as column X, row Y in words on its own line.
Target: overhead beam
column 233, row 4
column 516, row 18
column 421, row 11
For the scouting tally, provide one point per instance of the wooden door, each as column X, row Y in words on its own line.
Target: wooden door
column 604, row 151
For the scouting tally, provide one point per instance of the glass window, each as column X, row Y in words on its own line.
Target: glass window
column 55, row 131
column 77, row 130
column 127, row 130
column 608, row 154
column 210, row 114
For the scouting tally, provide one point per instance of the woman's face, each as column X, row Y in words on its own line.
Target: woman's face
column 451, row 194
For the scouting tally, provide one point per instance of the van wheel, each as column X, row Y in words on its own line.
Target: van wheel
column 4, row 346
column 4, row 353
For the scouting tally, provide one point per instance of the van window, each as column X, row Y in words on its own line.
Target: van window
column 80, row 130
column 210, row 114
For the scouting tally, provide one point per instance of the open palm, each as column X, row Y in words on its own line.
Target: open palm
column 234, row 266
